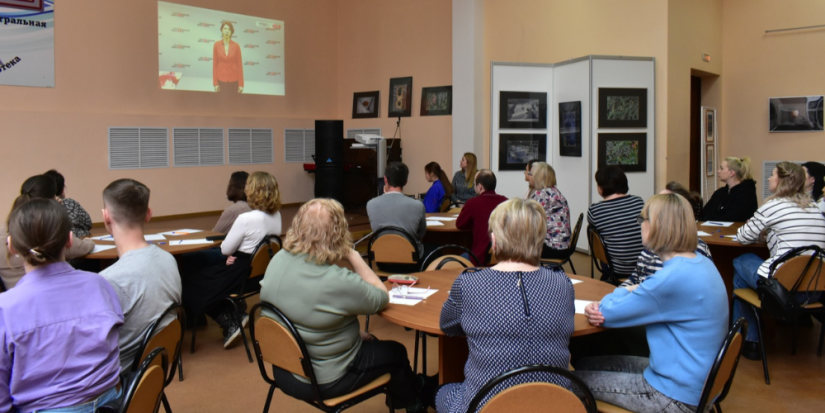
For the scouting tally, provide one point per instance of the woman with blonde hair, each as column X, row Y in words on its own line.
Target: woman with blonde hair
column 324, row 301
column 557, row 240
column 464, row 180
column 736, row 201
column 205, row 285
column 683, row 337
column 497, row 308
column 790, row 219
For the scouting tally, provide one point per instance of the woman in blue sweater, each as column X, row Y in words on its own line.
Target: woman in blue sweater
column 441, row 187
column 685, row 310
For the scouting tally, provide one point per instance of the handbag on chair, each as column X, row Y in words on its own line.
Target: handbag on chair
column 778, row 301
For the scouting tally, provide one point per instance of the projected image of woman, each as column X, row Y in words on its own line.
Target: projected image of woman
column 227, row 63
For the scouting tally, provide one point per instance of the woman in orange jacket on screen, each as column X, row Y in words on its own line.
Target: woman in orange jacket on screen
column 227, row 64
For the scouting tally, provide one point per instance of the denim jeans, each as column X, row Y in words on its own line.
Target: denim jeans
column 618, row 380
column 88, row 407
column 745, row 276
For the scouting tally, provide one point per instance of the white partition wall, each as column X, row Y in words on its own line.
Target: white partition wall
column 576, row 80
column 517, row 77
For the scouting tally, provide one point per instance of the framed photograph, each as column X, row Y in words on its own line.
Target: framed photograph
column 710, row 124
column 796, row 114
column 570, row 129
column 622, row 108
column 400, row 102
column 437, row 101
column 625, row 150
column 522, row 110
column 710, row 160
column 365, row 105
column 516, row 149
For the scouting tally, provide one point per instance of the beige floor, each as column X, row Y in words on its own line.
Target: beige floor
column 218, row 380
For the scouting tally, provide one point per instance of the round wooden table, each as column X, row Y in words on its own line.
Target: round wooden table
column 168, row 245
column 724, row 249
column 447, row 233
column 453, row 351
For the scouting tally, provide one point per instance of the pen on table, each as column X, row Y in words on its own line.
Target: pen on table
column 407, row 297
column 715, row 223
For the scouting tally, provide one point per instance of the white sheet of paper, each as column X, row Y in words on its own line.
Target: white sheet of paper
column 703, row 234
column 99, row 248
column 575, row 281
column 441, row 218
column 190, row 241
column 397, row 298
column 103, row 238
column 181, row 232
column 434, row 223
column 580, row 304
column 716, row 224
column 154, row 237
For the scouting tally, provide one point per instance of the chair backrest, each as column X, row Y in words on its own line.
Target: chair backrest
column 534, row 396
column 445, row 204
column 169, row 338
column 434, row 256
column 720, row 378
column 803, row 271
column 146, row 388
column 448, row 262
column 266, row 249
column 597, row 249
column 574, row 238
column 392, row 245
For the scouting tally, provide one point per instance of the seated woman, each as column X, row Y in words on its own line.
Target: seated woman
column 81, row 221
column 543, row 180
column 324, row 301
column 736, row 201
column 11, row 266
column 440, row 188
column 615, row 219
column 235, row 194
column 59, row 325
column 204, row 285
column 498, row 308
column 683, row 337
column 464, row 180
column 649, row 262
column 790, row 219
column 814, row 182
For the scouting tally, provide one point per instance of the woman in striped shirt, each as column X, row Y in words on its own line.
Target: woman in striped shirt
column 790, row 219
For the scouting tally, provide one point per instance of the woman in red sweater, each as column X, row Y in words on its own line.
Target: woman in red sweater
column 227, row 63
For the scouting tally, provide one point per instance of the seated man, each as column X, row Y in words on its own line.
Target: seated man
column 145, row 277
column 395, row 209
column 477, row 210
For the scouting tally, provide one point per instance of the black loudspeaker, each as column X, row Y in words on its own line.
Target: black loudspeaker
column 329, row 142
column 329, row 159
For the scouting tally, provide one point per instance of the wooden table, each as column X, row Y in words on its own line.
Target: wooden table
column 447, row 233
column 111, row 254
column 453, row 351
column 724, row 249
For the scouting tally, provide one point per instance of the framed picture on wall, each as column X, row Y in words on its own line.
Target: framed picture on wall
column 365, row 105
column 710, row 124
column 710, row 160
column 570, row 129
column 625, row 150
column 796, row 114
column 516, row 149
column 400, row 102
column 622, row 108
column 437, row 101
column 522, row 110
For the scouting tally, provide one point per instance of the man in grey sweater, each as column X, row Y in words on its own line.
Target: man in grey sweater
column 145, row 277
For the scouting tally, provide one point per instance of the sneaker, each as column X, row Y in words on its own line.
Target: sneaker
column 750, row 350
column 245, row 320
column 232, row 335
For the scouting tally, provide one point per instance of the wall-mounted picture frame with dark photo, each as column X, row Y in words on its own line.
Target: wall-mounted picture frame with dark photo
column 710, row 160
column 625, row 150
column 570, row 129
column 436, row 101
column 516, row 149
column 522, row 110
column 400, row 101
column 365, row 104
column 796, row 114
column 622, row 108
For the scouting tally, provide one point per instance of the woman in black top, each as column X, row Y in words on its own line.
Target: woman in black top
column 736, row 201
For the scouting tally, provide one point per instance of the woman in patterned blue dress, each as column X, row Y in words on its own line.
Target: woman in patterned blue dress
column 513, row 314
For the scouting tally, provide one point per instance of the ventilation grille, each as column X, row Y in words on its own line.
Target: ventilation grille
column 250, row 146
column 352, row 132
column 138, row 148
column 299, row 145
column 197, row 147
